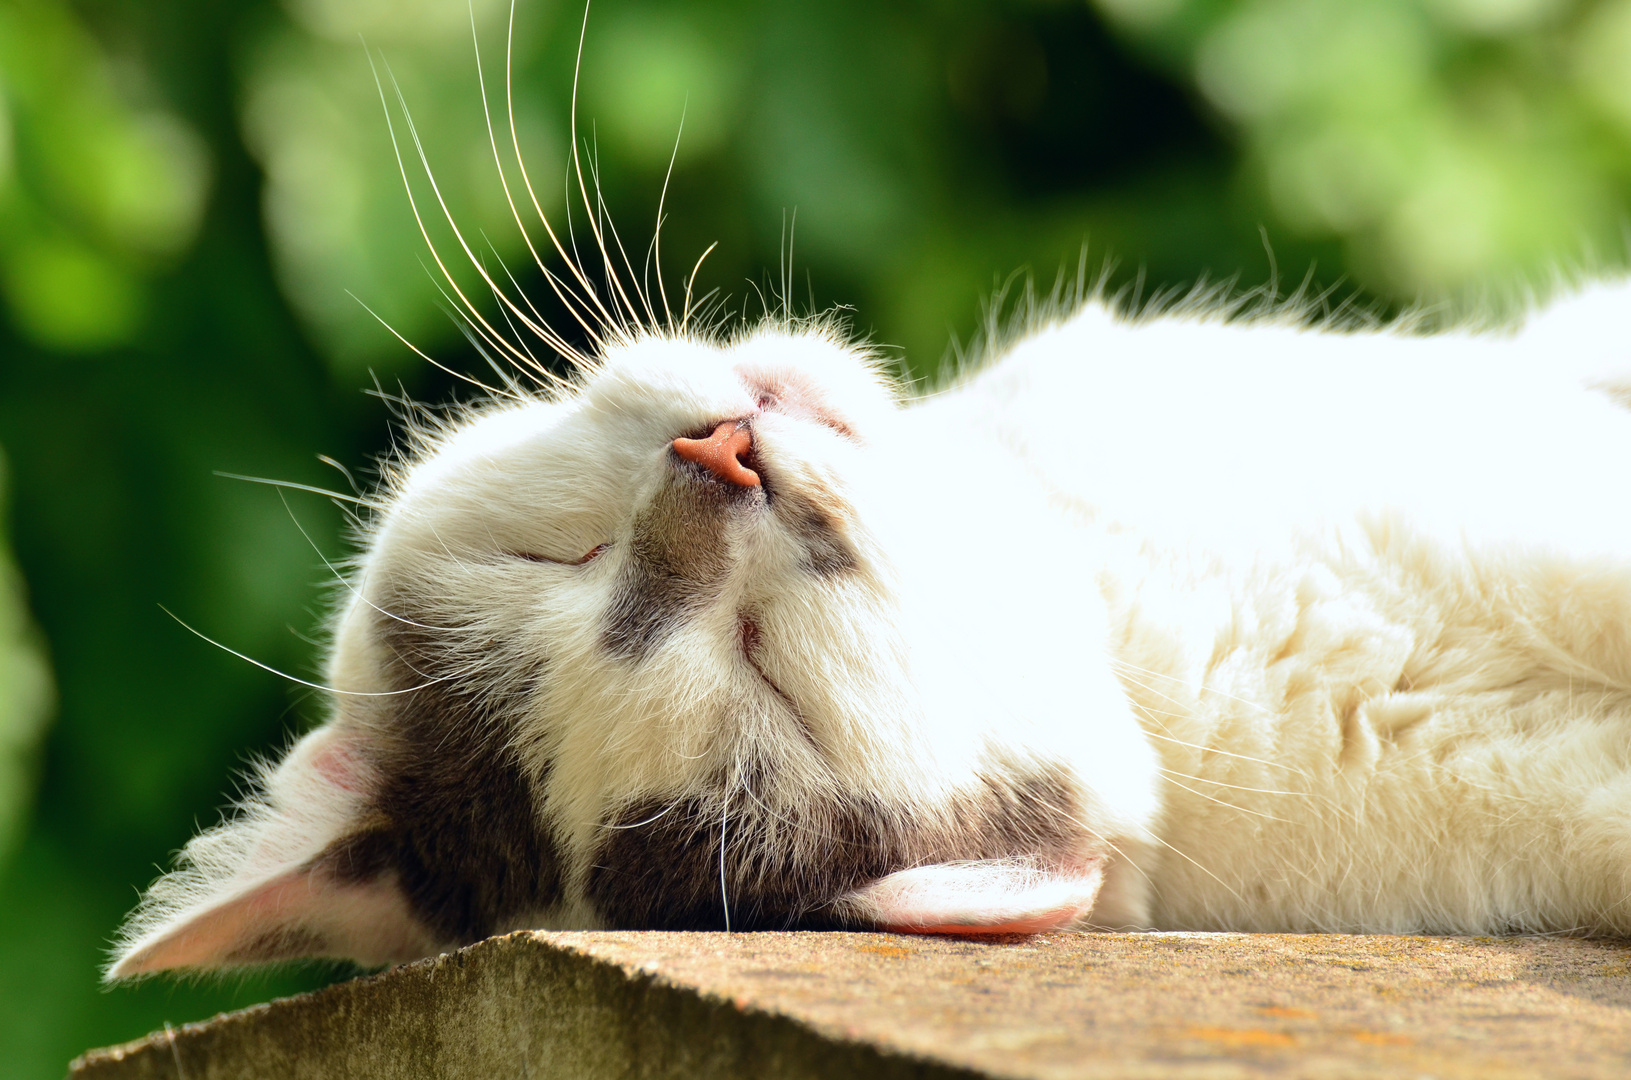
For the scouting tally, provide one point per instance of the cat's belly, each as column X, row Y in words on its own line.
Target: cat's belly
column 1384, row 733
column 1365, row 719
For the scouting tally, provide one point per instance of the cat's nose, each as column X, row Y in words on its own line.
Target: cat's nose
column 721, row 453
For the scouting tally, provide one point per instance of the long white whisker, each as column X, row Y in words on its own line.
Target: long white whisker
column 1085, row 827
column 291, row 485
column 1198, row 866
column 690, row 281
column 345, row 472
column 1205, row 687
column 608, row 322
column 490, row 360
column 580, row 363
column 602, row 212
column 1220, row 802
column 1235, row 787
column 724, row 896
column 293, row 678
column 565, row 293
column 493, row 336
column 535, row 368
column 583, row 191
column 659, row 815
column 461, row 376
column 341, row 578
column 520, row 358
column 662, row 199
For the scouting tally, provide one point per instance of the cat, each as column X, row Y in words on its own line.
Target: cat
column 1171, row 621
column 1184, row 619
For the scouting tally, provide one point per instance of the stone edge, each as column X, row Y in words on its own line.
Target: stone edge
column 158, row 1054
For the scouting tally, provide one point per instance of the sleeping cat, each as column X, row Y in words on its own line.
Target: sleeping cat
column 1173, row 621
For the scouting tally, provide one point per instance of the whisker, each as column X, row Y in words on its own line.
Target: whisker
column 1232, row 892
column 566, row 294
column 294, row 678
column 341, row 578
column 577, row 170
column 1085, row 827
column 538, row 365
column 535, row 369
column 1226, row 753
column 662, row 199
column 461, row 376
column 345, row 472
column 1205, row 687
column 664, row 812
column 690, row 282
column 496, row 339
column 1223, row 802
column 479, row 342
column 1235, row 787
column 604, row 215
column 291, row 485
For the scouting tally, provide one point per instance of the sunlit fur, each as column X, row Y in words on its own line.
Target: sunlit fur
column 1334, row 630
column 1257, row 623
column 1371, row 597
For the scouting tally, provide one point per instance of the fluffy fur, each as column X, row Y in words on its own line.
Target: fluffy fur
column 1189, row 621
column 1174, row 622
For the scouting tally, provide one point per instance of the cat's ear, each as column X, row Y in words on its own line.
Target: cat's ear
column 998, row 896
column 302, row 870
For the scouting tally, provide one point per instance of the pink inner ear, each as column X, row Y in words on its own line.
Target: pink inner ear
column 991, row 897
column 295, row 914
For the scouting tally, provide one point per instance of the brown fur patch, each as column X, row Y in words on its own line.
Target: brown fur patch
column 781, row 869
column 457, row 816
column 827, row 550
column 679, row 555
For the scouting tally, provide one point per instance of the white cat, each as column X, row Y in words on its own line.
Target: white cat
column 1173, row 622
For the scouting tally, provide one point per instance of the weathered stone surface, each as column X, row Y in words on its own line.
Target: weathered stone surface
column 593, row 1005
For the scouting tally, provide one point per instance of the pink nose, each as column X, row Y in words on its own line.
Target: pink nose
column 721, row 453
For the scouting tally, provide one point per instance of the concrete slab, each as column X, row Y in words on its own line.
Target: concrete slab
column 601, row 1005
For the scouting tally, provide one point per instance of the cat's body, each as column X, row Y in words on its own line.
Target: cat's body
column 1171, row 622
column 1371, row 598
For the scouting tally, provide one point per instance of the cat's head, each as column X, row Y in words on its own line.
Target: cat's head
column 635, row 655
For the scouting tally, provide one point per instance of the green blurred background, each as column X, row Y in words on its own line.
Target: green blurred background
column 198, row 196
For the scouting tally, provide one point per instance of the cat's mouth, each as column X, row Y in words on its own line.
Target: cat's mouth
column 751, row 639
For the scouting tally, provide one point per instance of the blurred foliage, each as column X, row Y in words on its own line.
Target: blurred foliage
column 25, row 696
column 201, row 213
column 1448, row 144
column 98, row 185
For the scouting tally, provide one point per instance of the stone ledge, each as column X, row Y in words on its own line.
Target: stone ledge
column 623, row 1004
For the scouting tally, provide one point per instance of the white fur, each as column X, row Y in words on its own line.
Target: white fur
column 1333, row 629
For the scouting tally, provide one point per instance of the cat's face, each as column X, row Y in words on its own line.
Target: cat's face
column 634, row 656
